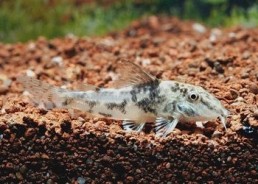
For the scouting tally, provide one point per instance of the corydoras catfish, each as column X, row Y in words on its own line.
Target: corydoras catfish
column 137, row 98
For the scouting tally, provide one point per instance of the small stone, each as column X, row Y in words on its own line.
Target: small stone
column 81, row 180
column 215, row 174
column 3, row 90
column 216, row 133
column 30, row 73
column 44, row 156
column 234, row 93
column 246, row 55
column 229, row 158
column 199, row 28
column 5, row 82
column 253, row 172
column 138, row 171
column 248, row 129
column 231, row 35
column 30, row 132
column 168, row 165
column 31, row 46
column 253, row 88
column 57, row 60
column 19, row 176
column 199, row 124
column 255, row 114
column 213, row 38
column 130, row 178
column 154, row 22
column 23, row 169
column 244, row 75
column 50, row 181
column 4, row 53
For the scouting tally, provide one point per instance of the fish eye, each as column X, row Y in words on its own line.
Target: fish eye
column 193, row 96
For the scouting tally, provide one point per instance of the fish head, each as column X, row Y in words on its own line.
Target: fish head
column 197, row 104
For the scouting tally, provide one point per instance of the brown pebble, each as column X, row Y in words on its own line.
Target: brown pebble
column 244, row 75
column 9, row 165
column 255, row 114
column 130, row 178
column 246, row 55
column 253, row 88
column 30, row 132
column 3, row 126
column 3, row 89
column 44, row 156
column 218, row 67
column 234, row 93
column 229, row 158
column 138, row 171
column 168, row 165
column 253, row 172
column 23, row 169
column 19, row 176
column 4, row 53
column 50, row 181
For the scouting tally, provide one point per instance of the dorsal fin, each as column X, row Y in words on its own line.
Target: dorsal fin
column 131, row 74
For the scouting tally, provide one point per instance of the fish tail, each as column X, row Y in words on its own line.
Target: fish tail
column 43, row 93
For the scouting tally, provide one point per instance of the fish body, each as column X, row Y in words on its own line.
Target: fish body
column 137, row 98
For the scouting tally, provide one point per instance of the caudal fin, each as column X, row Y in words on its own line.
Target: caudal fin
column 43, row 93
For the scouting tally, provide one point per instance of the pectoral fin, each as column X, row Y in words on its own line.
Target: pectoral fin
column 132, row 126
column 163, row 126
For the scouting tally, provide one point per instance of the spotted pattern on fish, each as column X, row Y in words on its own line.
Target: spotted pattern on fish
column 175, row 87
column 183, row 91
column 134, row 95
column 67, row 101
column 170, row 107
column 91, row 104
column 120, row 107
column 148, row 104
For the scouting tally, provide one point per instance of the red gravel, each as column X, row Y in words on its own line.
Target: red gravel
column 50, row 146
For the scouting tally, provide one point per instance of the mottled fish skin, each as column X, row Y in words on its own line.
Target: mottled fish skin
column 116, row 103
column 139, row 98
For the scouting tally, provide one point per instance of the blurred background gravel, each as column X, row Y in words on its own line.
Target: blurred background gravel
column 22, row 20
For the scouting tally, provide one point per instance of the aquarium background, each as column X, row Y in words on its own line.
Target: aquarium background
column 22, row 20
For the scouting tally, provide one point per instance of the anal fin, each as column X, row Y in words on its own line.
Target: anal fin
column 132, row 126
column 163, row 126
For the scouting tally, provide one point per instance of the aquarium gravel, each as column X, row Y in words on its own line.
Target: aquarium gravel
column 55, row 146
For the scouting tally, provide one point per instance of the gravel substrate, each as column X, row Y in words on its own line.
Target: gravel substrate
column 40, row 146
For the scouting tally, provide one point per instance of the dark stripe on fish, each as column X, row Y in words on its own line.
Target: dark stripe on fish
column 188, row 111
column 206, row 104
column 120, row 107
